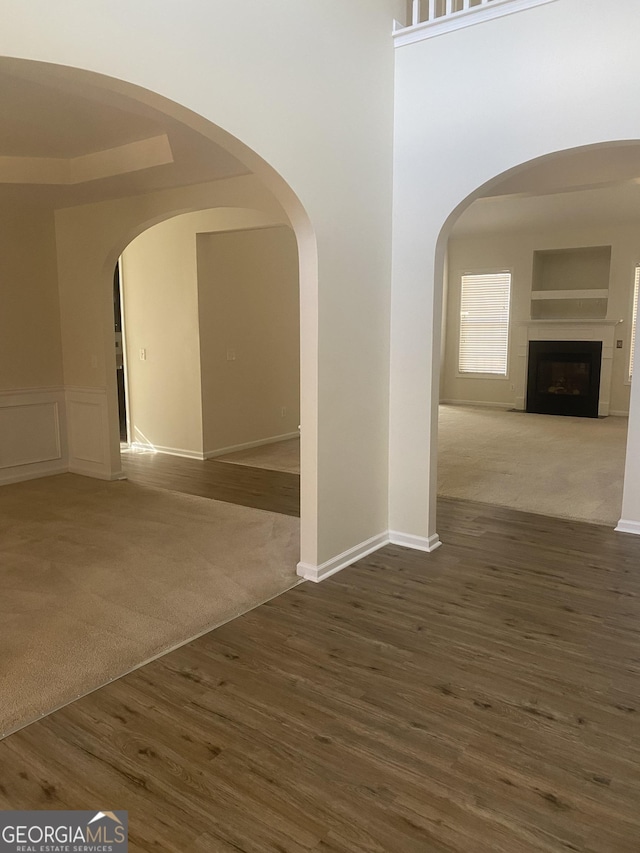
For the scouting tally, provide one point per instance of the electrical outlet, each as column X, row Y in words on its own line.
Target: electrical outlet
column 231, row 355
column 283, row 411
column 143, row 354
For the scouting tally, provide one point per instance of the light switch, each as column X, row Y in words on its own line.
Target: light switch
column 231, row 355
column 143, row 355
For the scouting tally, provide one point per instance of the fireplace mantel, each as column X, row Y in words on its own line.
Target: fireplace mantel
column 565, row 330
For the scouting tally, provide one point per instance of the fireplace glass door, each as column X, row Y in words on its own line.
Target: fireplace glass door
column 564, row 377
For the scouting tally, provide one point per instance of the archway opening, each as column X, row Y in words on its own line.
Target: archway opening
column 538, row 326
column 97, row 162
column 209, row 321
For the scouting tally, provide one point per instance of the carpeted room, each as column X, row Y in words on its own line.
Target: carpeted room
column 539, row 340
column 100, row 577
column 560, row 466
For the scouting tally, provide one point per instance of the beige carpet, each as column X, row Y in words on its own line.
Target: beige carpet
column 98, row 577
column 280, row 456
column 567, row 467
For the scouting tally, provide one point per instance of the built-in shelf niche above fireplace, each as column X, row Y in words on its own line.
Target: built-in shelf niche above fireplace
column 571, row 284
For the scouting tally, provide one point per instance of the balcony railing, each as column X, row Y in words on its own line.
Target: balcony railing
column 433, row 10
column 433, row 17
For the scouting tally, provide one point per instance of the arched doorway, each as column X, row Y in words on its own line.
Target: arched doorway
column 595, row 189
column 139, row 159
column 111, row 166
column 421, row 234
column 210, row 302
column 558, row 236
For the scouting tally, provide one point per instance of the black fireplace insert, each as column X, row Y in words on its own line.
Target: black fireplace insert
column 564, row 378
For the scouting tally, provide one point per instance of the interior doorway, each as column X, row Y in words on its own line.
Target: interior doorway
column 538, row 340
column 121, row 373
column 209, row 322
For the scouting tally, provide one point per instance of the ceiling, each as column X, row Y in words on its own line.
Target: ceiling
column 65, row 143
column 40, row 121
column 587, row 187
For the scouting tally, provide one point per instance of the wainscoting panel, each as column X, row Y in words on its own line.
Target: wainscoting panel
column 32, row 434
column 87, row 415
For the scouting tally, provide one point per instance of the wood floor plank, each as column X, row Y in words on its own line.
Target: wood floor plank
column 274, row 491
column 481, row 698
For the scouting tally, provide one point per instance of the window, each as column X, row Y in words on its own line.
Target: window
column 484, row 323
column 634, row 320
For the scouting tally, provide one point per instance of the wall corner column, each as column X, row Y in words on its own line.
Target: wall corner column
column 630, row 519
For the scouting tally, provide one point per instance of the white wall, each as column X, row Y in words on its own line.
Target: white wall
column 188, row 296
column 160, row 303
column 249, row 337
column 514, row 251
column 630, row 519
column 32, row 404
column 471, row 105
column 161, row 309
column 90, row 239
column 30, row 344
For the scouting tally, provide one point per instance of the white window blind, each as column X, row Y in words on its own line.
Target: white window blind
column 634, row 320
column 484, row 323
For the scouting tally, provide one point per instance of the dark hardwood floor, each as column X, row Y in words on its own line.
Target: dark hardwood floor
column 276, row 491
column 481, row 699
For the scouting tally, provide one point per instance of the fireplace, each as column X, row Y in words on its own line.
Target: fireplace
column 564, row 378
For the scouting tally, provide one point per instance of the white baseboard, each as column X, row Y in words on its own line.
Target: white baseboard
column 603, row 409
column 169, row 451
column 418, row 543
column 347, row 558
column 352, row 555
column 628, row 527
column 32, row 472
column 274, row 439
column 478, row 403
column 96, row 475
